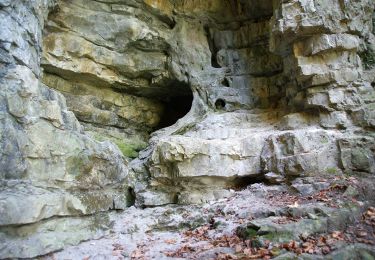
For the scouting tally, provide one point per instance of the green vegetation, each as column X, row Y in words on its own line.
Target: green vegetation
column 128, row 147
column 250, row 233
column 331, row 170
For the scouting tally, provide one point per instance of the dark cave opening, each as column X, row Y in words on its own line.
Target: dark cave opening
column 220, row 104
column 175, row 108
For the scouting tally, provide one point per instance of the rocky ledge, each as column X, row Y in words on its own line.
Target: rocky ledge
column 333, row 220
column 129, row 105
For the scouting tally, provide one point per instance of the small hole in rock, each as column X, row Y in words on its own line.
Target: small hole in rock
column 220, row 104
column 373, row 84
column 225, row 82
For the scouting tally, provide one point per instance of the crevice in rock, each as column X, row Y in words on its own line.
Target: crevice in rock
column 225, row 82
column 213, row 50
column 130, row 198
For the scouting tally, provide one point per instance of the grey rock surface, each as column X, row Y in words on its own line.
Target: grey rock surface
column 105, row 104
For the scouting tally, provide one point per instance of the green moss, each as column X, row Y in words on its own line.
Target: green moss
column 275, row 251
column 128, row 147
column 128, row 150
column 217, row 224
column 331, row 170
column 279, row 237
column 250, row 233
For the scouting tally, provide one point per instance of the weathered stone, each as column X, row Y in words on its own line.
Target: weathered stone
column 279, row 91
column 49, row 167
column 51, row 235
column 274, row 178
column 356, row 154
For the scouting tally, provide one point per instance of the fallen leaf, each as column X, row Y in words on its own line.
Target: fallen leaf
column 170, row 241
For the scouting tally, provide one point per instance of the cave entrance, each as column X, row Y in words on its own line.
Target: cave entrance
column 175, row 107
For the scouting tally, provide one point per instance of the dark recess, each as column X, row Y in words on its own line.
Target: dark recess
column 213, row 49
column 131, row 197
column 245, row 181
column 220, row 104
column 225, row 82
column 175, row 108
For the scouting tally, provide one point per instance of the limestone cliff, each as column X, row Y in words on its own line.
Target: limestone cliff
column 108, row 103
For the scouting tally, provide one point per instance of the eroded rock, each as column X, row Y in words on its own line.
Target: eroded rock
column 239, row 91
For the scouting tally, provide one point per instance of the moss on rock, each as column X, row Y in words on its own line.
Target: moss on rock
column 128, row 147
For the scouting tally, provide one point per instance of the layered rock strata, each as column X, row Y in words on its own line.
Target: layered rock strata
column 293, row 98
column 266, row 90
column 50, row 169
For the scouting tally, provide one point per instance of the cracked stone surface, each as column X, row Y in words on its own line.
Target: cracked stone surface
column 110, row 104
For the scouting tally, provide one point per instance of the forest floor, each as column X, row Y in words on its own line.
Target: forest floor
column 334, row 221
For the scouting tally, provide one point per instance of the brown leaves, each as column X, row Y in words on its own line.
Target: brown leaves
column 198, row 233
column 117, row 249
column 243, row 249
column 137, row 254
column 294, row 201
column 363, row 231
column 180, row 252
column 117, row 246
column 369, row 216
column 283, row 199
column 255, row 253
column 226, row 241
column 317, row 245
column 308, row 247
column 223, row 256
column 338, row 235
column 292, row 246
column 170, row 241
column 203, row 238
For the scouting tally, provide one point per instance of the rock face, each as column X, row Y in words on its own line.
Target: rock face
column 48, row 166
column 272, row 90
column 291, row 98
